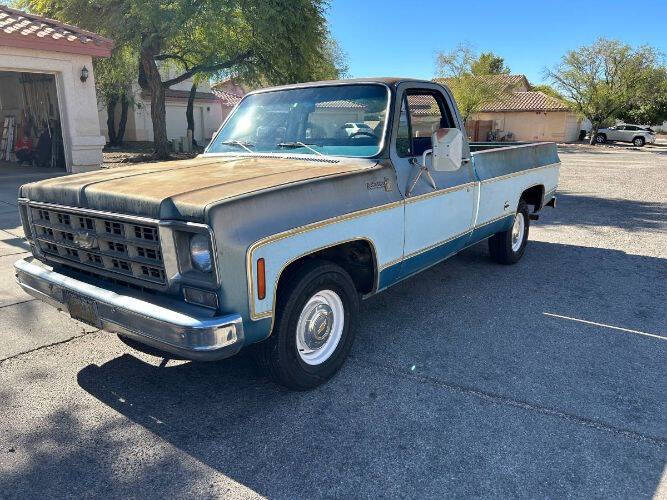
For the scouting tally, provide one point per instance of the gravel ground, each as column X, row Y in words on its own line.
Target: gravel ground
column 543, row 379
column 137, row 152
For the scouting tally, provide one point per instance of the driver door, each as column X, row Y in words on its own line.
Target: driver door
column 438, row 218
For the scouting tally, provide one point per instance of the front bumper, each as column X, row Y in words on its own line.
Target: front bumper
column 182, row 333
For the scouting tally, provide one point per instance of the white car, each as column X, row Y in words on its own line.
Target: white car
column 635, row 134
column 357, row 129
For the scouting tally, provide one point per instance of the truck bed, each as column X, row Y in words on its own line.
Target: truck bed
column 495, row 159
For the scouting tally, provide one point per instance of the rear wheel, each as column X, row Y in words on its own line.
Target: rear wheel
column 313, row 329
column 638, row 141
column 600, row 138
column 509, row 246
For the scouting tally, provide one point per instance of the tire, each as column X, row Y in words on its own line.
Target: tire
column 639, row 141
column 600, row 138
column 321, row 295
column 506, row 247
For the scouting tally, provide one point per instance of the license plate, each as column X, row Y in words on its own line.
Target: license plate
column 81, row 309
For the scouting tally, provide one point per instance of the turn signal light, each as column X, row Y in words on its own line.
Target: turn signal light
column 261, row 279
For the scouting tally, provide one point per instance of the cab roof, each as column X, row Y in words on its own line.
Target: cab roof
column 390, row 81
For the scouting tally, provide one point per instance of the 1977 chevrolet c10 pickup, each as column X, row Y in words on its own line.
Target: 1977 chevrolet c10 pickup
column 309, row 198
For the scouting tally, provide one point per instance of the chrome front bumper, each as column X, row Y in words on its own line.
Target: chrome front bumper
column 181, row 333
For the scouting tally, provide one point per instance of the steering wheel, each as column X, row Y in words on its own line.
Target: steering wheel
column 363, row 132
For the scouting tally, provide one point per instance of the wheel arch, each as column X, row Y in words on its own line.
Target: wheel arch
column 358, row 256
column 534, row 195
column 358, row 251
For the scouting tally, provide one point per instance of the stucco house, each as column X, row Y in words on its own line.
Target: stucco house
column 523, row 114
column 48, row 106
column 230, row 93
column 207, row 111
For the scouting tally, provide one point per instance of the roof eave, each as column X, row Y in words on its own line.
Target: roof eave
column 100, row 49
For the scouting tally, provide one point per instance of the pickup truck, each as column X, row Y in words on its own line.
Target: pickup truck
column 273, row 235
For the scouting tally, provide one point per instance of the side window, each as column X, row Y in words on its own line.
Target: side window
column 427, row 114
column 403, row 136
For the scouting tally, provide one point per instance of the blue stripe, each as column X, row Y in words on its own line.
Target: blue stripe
column 419, row 262
column 487, row 230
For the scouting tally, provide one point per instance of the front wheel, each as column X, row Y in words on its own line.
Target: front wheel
column 638, row 141
column 600, row 138
column 509, row 246
column 313, row 330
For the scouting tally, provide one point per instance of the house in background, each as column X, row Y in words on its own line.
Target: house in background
column 230, row 93
column 523, row 115
column 48, row 106
column 208, row 111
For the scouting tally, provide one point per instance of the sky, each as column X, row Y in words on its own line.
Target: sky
column 402, row 38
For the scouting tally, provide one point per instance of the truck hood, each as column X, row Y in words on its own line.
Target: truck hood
column 182, row 189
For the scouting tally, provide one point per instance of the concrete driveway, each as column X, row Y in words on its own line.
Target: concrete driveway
column 543, row 379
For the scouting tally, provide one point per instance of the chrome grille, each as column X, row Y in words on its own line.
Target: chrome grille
column 103, row 244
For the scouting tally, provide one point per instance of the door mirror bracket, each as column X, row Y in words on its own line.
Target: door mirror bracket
column 446, row 155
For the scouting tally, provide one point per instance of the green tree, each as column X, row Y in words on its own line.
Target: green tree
column 113, row 83
column 548, row 90
column 489, row 64
column 605, row 80
column 282, row 41
column 466, row 74
column 651, row 108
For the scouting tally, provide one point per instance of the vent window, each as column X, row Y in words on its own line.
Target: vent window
column 145, row 233
column 64, row 219
column 113, row 227
column 116, row 247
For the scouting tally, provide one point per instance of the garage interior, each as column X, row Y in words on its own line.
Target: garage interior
column 30, row 126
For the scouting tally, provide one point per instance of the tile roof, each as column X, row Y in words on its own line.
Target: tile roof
column 526, row 101
column 228, row 99
column 340, row 104
column 23, row 30
column 519, row 82
column 228, row 91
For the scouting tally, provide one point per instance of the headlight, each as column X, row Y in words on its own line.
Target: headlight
column 200, row 252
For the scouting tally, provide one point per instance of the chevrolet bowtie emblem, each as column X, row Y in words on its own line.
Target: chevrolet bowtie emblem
column 85, row 240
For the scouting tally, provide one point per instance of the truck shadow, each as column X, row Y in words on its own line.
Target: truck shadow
column 457, row 383
column 631, row 215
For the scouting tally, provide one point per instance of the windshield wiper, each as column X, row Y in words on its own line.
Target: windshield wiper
column 243, row 144
column 298, row 144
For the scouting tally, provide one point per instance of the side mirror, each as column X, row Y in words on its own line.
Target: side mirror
column 447, row 144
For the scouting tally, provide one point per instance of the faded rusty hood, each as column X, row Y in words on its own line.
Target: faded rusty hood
column 182, row 189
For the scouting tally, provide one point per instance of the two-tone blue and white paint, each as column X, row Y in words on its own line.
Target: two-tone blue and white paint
column 416, row 232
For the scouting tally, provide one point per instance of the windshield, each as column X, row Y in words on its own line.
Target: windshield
column 343, row 120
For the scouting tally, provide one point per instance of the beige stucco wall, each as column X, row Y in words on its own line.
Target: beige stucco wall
column 76, row 100
column 535, row 126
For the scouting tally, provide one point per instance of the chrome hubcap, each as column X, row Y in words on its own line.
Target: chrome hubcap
column 320, row 327
column 517, row 231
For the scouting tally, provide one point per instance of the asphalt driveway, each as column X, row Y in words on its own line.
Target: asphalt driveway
column 543, row 379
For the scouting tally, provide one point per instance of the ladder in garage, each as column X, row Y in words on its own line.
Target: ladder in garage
column 7, row 141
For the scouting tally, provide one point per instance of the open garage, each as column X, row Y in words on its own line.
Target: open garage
column 48, row 106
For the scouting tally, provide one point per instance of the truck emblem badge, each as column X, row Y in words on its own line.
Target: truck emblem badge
column 383, row 184
column 85, row 240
